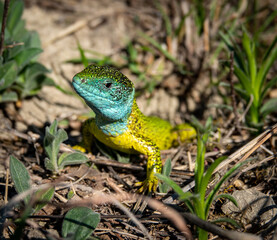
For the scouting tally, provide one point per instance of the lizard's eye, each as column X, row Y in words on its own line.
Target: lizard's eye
column 108, row 85
column 83, row 80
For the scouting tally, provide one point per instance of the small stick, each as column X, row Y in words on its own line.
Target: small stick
column 4, row 20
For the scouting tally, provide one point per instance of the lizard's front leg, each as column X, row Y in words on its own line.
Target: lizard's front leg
column 154, row 163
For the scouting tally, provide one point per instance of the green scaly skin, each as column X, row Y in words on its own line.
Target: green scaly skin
column 120, row 124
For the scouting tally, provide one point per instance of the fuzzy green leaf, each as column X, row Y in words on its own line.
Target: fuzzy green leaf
column 50, row 165
column 45, row 196
column 8, row 97
column 20, row 177
column 79, row 223
column 7, row 74
column 26, row 56
column 33, row 79
column 71, row 159
column 52, row 140
column 14, row 15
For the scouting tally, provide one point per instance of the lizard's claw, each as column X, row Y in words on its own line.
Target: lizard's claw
column 148, row 184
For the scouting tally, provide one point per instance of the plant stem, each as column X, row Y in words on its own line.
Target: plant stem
column 4, row 20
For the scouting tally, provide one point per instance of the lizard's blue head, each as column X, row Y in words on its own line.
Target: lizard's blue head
column 106, row 91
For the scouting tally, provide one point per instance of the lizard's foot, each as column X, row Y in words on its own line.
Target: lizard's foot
column 148, row 184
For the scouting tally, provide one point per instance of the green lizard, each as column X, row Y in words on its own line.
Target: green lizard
column 120, row 124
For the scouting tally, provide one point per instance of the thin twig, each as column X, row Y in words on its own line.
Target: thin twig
column 4, row 21
column 226, row 234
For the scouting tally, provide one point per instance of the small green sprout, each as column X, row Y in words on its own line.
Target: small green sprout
column 52, row 141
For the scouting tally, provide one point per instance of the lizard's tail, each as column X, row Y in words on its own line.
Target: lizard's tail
column 182, row 133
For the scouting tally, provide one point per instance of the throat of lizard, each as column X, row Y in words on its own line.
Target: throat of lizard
column 112, row 128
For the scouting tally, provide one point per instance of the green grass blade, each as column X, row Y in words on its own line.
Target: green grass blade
column 269, row 50
column 233, row 47
column 244, row 80
column 249, row 48
column 211, row 196
column 182, row 196
column 82, row 54
column 165, row 18
column 265, row 24
column 229, row 197
column 270, row 58
column 153, row 42
column 199, row 164
column 209, row 172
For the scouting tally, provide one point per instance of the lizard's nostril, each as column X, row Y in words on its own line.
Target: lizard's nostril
column 83, row 80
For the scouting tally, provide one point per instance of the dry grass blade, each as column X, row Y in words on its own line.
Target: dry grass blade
column 244, row 152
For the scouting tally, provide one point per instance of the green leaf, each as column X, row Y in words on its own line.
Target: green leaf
column 24, row 57
column 83, row 56
column 34, row 70
column 233, row 47
column 249, row 48
column 182, row 196
column 211, row 195
column 14, row 15
column 33, row 79
column 20, row 177
column 7, row 74
column 167, row 167
column 44, row 196
column 19, row 33
column 229, row 197
column 164, row 188
column 269, row 107
column 244, row 80
column 157, row 45
column 71, row 159
column 266, row 65
column 8, row 97
column 79, row 223
column 33, row 40
column 52, row 141
column 270, row 48
column 207, row 176
column 50, row 165
column 53, row 127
